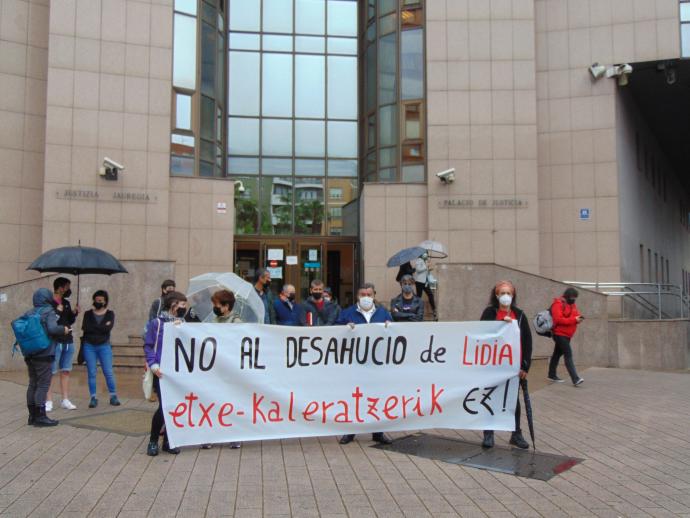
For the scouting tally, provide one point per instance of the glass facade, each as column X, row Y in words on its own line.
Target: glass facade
column 685, row 28
column 392, row 115
column 292, row 115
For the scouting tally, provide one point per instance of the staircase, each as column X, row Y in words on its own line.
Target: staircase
column 129, row 355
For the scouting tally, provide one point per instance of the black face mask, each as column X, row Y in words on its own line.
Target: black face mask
column 181, row 312
column 570, row 300
column 98, row 305
column 291, row 297
column 317, row 296
column 217, row 311
column 67, row 294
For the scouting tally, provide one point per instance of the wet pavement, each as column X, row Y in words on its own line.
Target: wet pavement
column 629, row 427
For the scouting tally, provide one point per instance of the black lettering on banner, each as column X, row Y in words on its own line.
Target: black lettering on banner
column 484, row 401
column 188, row 358
column 246, row 352
column 426, row 356
column 208, row 367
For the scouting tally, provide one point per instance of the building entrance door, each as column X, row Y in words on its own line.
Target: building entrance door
column 299, row 261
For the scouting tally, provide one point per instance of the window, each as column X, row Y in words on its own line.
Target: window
column 335, row 212
column 685, row 28
column 335, row 193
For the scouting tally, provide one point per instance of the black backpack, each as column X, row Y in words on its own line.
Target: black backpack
column 405, row 269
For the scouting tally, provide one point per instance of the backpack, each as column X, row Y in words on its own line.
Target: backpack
column 543, row 323
column 30, row 334
column 405, row 269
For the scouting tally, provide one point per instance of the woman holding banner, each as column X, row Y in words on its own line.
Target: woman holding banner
column 174, row 310
column 502, row 306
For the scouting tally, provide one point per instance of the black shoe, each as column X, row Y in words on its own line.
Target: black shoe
column 488, row 441
column 32, row 414
column 578, row 382
column 152, row 449
column 347, row 439
column 93, row 403
column 167, row 449
column 516, row 439
column 555, row 379
column 381, row 438
column 114, row 401
column 41, row 419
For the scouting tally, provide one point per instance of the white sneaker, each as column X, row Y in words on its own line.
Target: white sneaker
column 49, row 406
column 67, row 405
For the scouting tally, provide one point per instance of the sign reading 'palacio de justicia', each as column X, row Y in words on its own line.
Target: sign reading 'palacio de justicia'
column 104, row 194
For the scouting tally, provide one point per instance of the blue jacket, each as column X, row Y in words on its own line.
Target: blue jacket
column 43, row 302
column 351, row 315
column 153, row 340
column 286, row 316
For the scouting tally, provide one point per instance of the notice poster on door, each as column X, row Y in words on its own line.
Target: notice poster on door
column 275, row 254
column 313, row 254
column 276, row 273
column 291, row 260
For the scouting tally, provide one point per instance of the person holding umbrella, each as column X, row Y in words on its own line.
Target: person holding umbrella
column 502, row 306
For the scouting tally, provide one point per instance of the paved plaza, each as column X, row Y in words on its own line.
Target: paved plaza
column 632, row 428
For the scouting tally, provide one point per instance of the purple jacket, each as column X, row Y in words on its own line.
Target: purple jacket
column 153, row 341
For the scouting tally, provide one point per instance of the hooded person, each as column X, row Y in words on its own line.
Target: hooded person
column 503, row 306
column 40, row 364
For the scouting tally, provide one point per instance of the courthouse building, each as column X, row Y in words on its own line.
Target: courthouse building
column 308, row 135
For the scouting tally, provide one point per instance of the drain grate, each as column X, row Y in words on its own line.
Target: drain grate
column 127, row 421
column 522, row 463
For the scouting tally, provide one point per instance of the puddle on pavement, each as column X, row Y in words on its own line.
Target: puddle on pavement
column 127, row 421
column 522, row 463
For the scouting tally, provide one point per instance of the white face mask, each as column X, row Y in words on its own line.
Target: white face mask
column 366, row 303
column 505, row 300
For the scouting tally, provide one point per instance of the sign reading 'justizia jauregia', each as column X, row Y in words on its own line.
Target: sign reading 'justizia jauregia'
column 105, row 194
column 483, row 203
column 239, row 382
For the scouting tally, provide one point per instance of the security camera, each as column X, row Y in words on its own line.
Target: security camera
column 240, row 186
column 110, row 169
column 447, row 176
column 597, row 70
column 621, row 71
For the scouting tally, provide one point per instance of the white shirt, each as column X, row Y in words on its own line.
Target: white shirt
column 421, row 271
column 367, row 314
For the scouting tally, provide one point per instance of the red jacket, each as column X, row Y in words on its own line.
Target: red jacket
column 564, row 314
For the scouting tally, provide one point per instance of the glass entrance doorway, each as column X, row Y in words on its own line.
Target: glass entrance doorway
column 300, row 261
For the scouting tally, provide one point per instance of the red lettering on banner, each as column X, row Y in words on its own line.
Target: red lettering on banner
column 256, row 410
column 357, row 394
column 506, row 352
column 487, row 354
column 191, row 398
column 405, row 401
column 291, row 417
column 373, row 401
column 178, row 412
column 434, row 400
column 344, row 416
column 390, row 404
column 274, row 413
column 325, row 407
column 225, row 410
column 204, row 414
column 311, row 409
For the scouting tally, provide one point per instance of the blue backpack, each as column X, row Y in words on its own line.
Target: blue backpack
column 30, row 334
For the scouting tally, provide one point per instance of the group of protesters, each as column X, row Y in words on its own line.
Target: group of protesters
column 319, row 309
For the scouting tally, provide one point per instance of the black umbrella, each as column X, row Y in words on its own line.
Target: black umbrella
column 528, row 410
column 77, row 260
column 405, row 256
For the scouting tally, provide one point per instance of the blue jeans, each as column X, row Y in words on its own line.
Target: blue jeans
column 102, row 354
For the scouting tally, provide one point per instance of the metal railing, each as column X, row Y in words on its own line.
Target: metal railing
column 646, row 300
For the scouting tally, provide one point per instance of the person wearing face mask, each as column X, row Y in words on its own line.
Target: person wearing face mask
column 566, row 318
column 288, row 312
column 365, row 312
column 262, row 285
column 407, row 307
column 97, row 325
column 64, row 348
column 223, row 303
column 502, row 306
column 174, row 310
column 421, row 279
column 317, row 310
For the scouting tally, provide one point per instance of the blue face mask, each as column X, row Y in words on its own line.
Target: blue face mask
column 406, row 288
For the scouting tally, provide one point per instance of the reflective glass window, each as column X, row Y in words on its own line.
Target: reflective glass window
column 208, row 59
column 247, row 207
column 245, row 15
column 413, row 152
column 388, row 175
column 343, row 215
column 388, row 156
column 370, row 86
column 371, row 32
column 310, row 167
column 413, row 121
column 371, row 9
column 206, row 169
column 310, row 138
column 207, row 151
column 685, row 12
column 243, row 165
column 181, row 166
column 309, row 205
column 279, row 43
column 685, row 39
column 243, row 83
column 310, row 16
column 220, row 67
column 386, row 6
column 276, row 166
column 342, row 46
column 184, row 52
column 342, row 168
column 208, row 13
column 276, row 91
column 208, row 112
column 342, row 18
column 342, row 139
column 387, row 59
column 244, row 41
column 371, row 132
column 277, row 16
column 389, row 23
column 388, row 125
column 413, row 173
column 310, row 44
column 183, row 111
column 186, row 6
column 412, row 64
column 276, row 137
column 276, row 205
column 342, row 87
column 370, row 173
column 412, row 18
column 182, row 145
column 310, row 81
column 243, row 136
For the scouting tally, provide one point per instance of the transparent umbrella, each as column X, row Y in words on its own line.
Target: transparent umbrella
column 435, row 249
column 248, row 305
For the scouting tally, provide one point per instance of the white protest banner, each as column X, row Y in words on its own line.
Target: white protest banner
column 239, row 382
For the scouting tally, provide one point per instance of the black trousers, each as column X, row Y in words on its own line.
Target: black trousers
column 157, row 421
column 422, row 287
column 518, row 413
column 40, row 374
column 562, row 348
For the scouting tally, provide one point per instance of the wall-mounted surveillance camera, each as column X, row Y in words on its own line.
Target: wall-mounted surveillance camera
column 597, row 70
column 447, row 176
column 240, row 186
column 110, row 169
column 621, row 71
